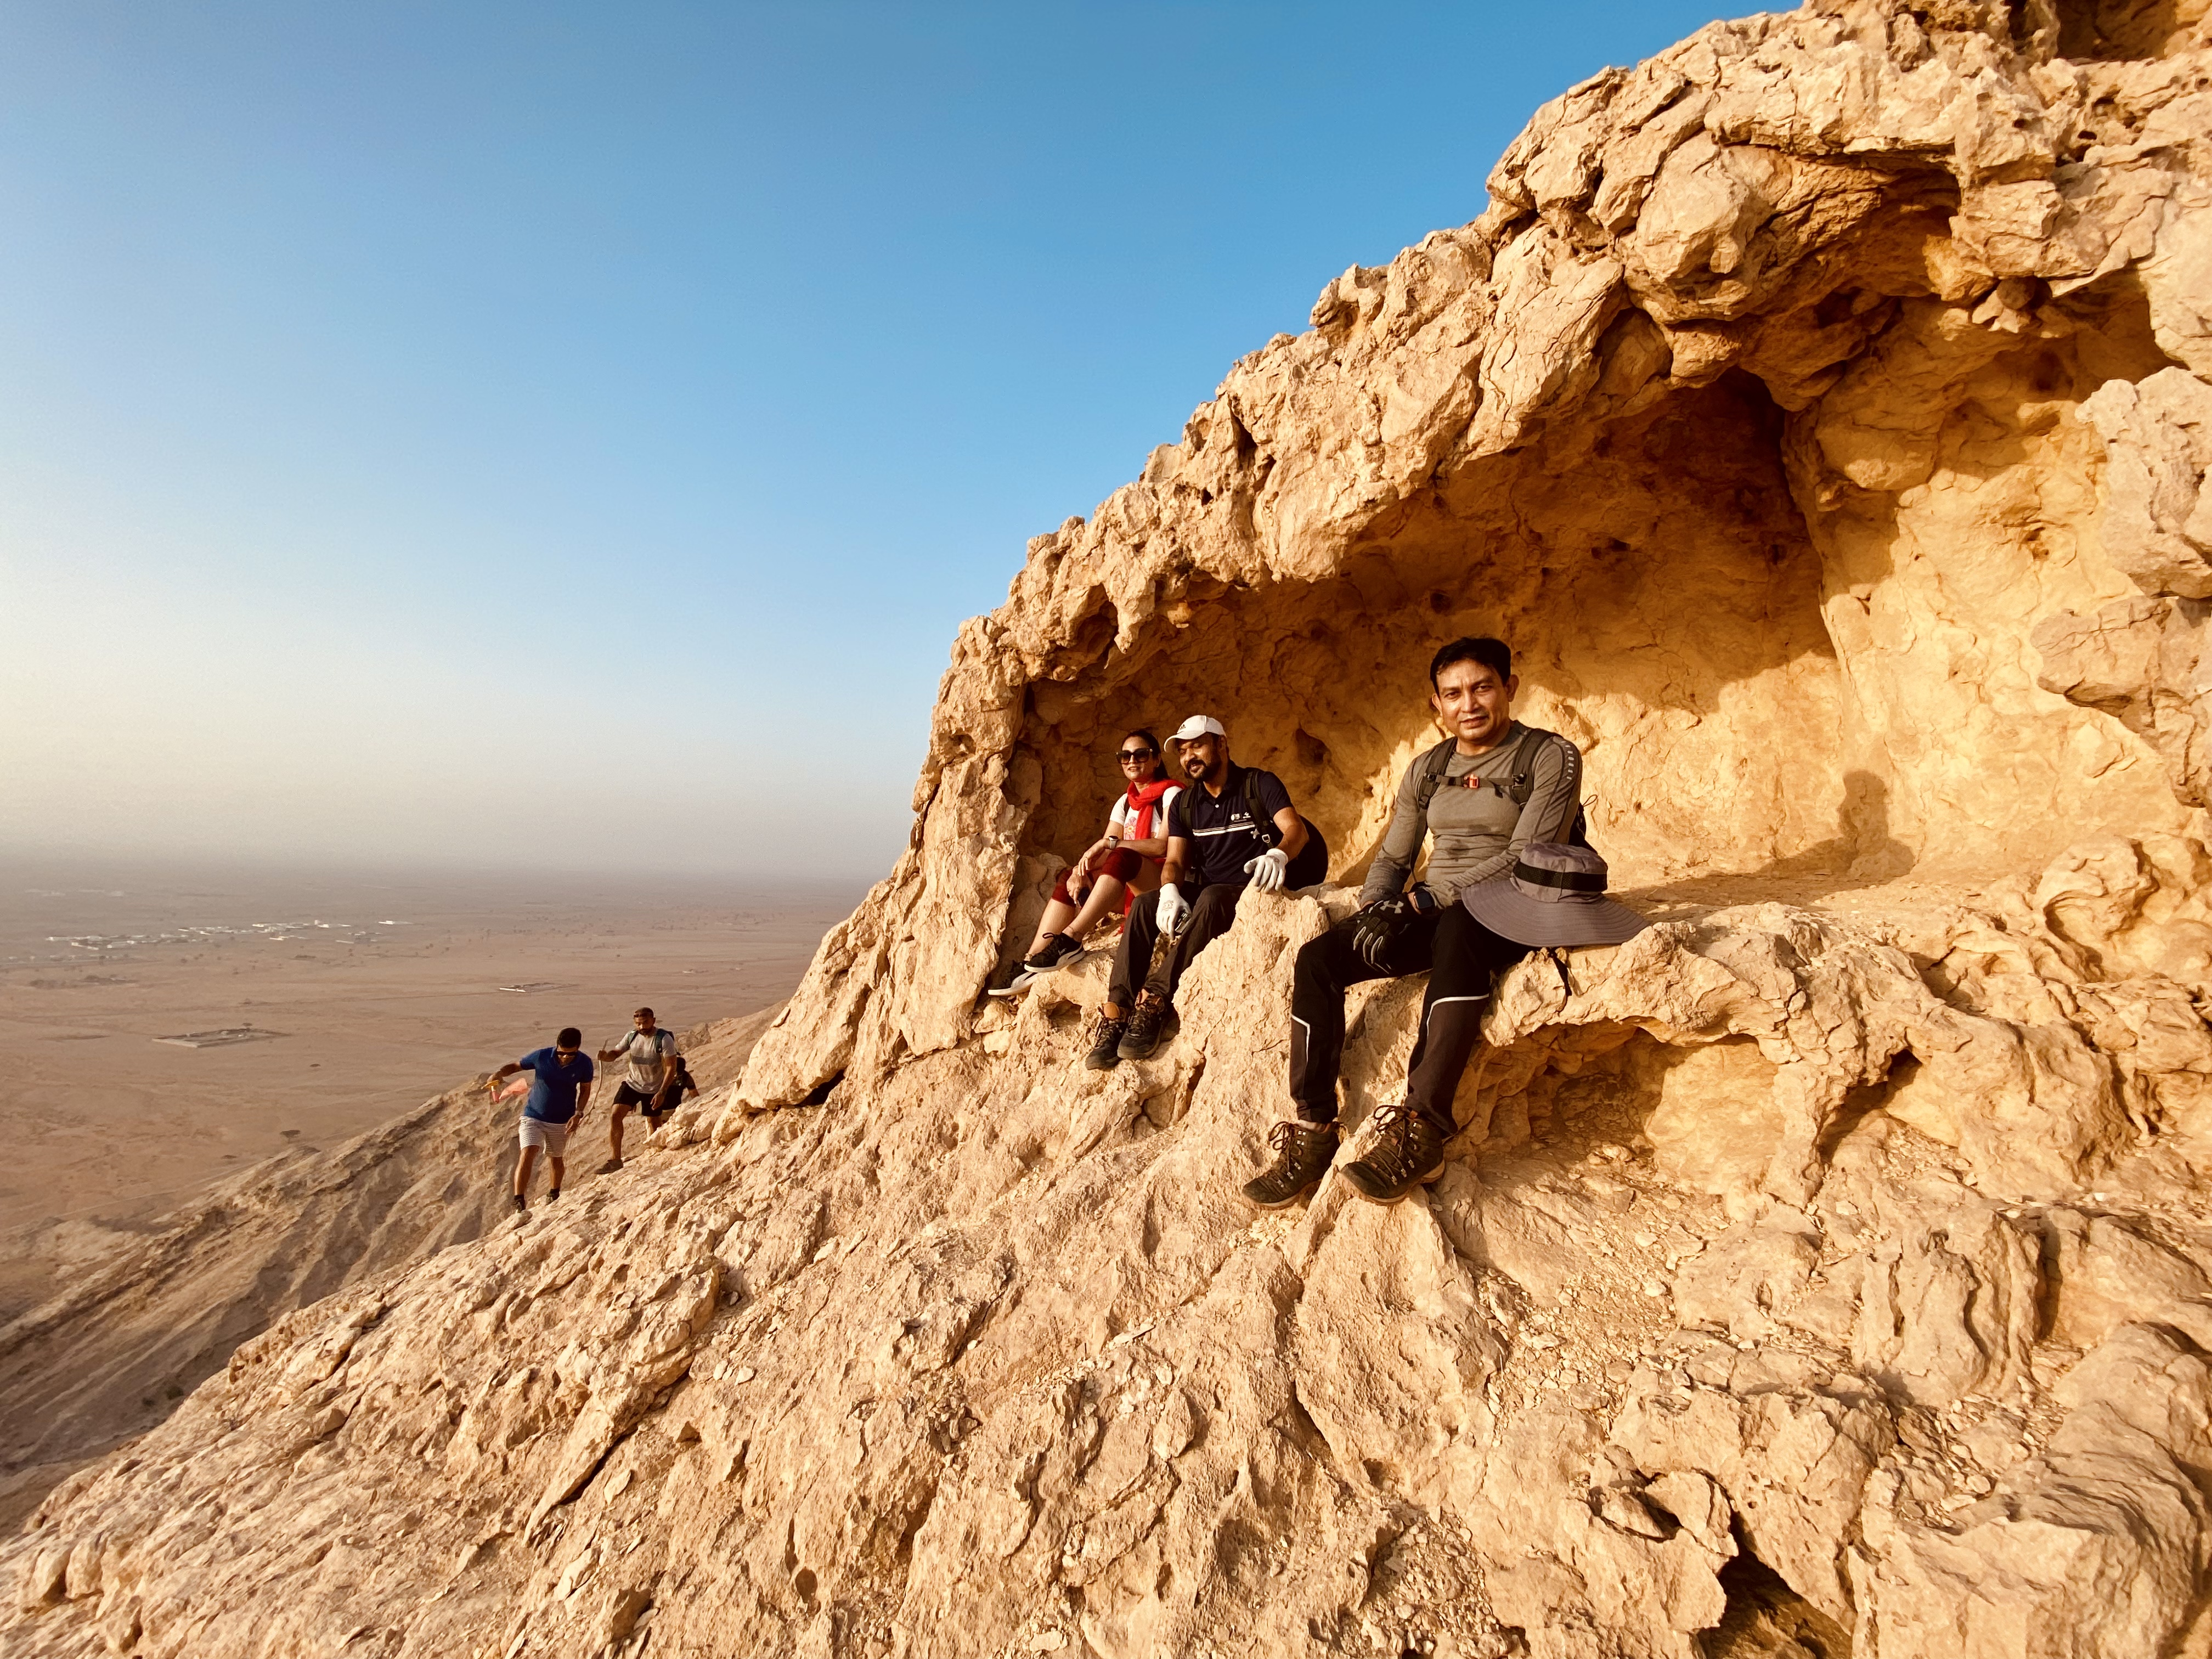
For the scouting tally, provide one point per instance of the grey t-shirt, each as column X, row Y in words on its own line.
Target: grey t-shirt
column 646, row 1054
column 1479, row 830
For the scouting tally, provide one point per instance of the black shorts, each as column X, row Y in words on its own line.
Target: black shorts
column 630, row 1095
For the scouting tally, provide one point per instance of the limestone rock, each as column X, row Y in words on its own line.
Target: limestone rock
column 1820, row 408
column 138, row 1327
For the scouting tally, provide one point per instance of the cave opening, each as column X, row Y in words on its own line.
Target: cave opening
column 1663, row 601
column 1765, row 1619
column 1789, row 642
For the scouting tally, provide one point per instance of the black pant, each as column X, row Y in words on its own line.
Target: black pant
column 1463, row 959
column 1212, row 909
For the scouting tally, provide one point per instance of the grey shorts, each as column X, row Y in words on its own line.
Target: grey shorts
column 553, row 1137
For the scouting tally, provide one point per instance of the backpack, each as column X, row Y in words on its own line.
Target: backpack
column 1520, row 784
column 1310, row 867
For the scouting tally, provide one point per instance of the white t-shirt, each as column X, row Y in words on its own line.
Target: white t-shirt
column 1122, row 822
column 645, row 1053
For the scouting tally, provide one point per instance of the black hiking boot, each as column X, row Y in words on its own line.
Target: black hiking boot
column 1407, row 1150
column 1144, row 1027
column 1303, row 1152
column 1058, row 949
column 1106, row 1047
column 521, row 1205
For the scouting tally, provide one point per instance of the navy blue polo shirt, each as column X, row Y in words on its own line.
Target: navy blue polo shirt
column 554, row 1081
column 1223, row 836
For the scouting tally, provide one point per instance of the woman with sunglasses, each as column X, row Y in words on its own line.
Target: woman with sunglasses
column 1121, row 864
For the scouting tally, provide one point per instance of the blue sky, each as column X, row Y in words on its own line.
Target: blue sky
column 570, row 435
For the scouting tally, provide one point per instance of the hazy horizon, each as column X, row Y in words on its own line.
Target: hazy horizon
column 554, row 437
column 85, row 883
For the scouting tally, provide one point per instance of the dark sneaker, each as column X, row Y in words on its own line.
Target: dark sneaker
column 1106, row 1048
column 1145, row 1027
column 1405, row 1150
column 1018, row 979
column 1058, row 950
column 521, row 1205
column 1303, row 1152
column 554, row 1194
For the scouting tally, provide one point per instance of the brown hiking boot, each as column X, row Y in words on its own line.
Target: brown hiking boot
column 1406, row 1150
column 1303, row 1152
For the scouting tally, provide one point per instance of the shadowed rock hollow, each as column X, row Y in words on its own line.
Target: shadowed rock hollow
column 1822, row 408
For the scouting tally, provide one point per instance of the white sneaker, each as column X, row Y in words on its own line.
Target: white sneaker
column 1014, row 987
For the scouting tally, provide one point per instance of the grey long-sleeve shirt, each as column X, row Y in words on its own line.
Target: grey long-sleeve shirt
column 1479, row 831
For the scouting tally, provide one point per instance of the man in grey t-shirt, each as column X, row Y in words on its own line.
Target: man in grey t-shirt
column 1502, row 785
column 652, row 1084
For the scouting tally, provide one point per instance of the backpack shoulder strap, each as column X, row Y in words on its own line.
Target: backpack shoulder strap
column 1263, row 823
column 1432, row 777
column 1521, row 783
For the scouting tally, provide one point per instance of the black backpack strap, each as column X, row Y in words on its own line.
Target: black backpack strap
column 1432, row 778
column 1263, row 821
column 1521, row 783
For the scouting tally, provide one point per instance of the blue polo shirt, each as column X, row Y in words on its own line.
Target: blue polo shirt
column 554, row 1082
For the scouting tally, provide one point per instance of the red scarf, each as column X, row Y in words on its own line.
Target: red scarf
column 1143, row 797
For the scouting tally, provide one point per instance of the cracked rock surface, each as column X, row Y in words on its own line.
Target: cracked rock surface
column 1821, row 408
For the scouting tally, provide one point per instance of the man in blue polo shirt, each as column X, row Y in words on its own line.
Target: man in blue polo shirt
column 1234, row 829
column 560, row 1089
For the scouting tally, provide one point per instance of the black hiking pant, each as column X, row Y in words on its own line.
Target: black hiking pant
column 1463, row 959
column 1211, row 910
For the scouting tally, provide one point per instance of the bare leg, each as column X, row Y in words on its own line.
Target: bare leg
column 522, row 1171
column 560, row 1168
column 1053, row 921
column 614, row 1132
column 1105, row 895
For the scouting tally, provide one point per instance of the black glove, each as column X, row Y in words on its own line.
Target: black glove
column 1376, row 929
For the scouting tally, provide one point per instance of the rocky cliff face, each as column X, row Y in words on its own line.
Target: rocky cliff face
column 1823, row 409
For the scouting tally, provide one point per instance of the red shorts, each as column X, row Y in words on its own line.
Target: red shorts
column 1120, row 865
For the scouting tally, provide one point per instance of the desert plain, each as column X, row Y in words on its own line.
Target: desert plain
column 368, row 992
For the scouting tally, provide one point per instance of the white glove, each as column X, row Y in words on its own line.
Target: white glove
column 1266, row 871
column 1172, row 909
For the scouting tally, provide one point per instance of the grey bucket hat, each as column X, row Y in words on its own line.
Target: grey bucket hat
column 1555, row 896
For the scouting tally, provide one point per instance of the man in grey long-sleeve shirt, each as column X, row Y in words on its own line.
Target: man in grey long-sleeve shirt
column 1491, row 788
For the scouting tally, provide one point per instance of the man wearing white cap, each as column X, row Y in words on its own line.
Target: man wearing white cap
column 1489, row 793
column 1234, row 829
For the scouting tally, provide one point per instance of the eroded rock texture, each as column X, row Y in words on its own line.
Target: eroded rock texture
column 1823, row 408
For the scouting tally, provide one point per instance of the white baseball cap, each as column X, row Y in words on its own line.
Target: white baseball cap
column 1198, row 726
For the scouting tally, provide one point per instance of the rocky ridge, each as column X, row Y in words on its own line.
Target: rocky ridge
column 146, row 1317
column 1821, row 408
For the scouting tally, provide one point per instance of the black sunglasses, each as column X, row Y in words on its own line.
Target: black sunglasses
column 1138, row 754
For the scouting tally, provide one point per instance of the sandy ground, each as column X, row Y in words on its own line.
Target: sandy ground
column 384, row 990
